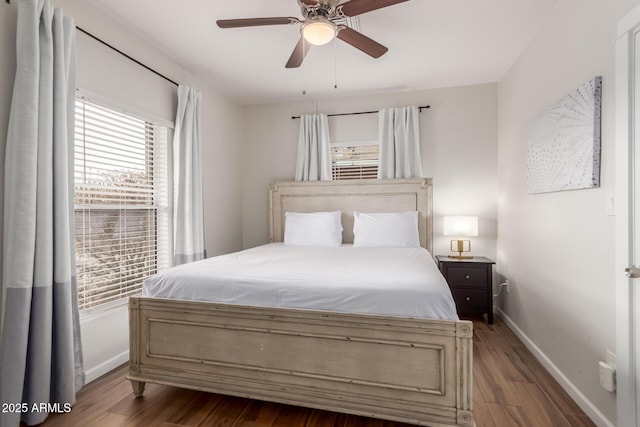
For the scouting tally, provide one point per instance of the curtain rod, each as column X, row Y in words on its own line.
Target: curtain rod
column 124, row 54
column 121, row 53
column 361, row 112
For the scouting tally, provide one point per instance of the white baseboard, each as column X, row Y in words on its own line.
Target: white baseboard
column 105, row 367
column 581, row 400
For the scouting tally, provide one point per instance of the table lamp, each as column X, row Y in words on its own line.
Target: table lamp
column 460, row 226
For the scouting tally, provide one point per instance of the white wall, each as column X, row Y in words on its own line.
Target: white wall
column 557, row 248
column 105, row 336
column 458, row 144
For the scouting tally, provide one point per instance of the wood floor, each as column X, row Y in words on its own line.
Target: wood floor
column 511, row 389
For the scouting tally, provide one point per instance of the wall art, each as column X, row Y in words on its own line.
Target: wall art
column 564, row 142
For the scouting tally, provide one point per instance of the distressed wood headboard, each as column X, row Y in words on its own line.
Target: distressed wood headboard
column 371, row 195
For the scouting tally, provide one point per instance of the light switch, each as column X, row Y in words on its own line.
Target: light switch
column 610, row 205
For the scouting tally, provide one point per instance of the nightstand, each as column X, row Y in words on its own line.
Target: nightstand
column 471, row 283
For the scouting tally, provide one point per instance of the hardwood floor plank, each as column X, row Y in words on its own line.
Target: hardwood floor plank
column 92, row 401
column 227, row 412
column 511, row 389
column 547, row 383
column 489, row 376
column 259, row 414
column 291, row 416
column 161, row 407
column 109, row 419
column 394, row 424
column 502, row 415
column 509, row 338
column 194, row 413
column 538, row 409
column 355, row 421
column 579, row 420
column 480, row 409
column 318, row 418
column 341, row 420
column 508, row 370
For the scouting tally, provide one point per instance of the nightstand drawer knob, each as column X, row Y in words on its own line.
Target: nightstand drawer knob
column 467, row 276
column 468, row 298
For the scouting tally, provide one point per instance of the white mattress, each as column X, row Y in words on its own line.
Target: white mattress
column 387, row 281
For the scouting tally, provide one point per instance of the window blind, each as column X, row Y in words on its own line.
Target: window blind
column 354, row 161
column 121, row 203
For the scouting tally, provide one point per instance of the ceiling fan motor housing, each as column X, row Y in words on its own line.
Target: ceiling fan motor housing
column 326, row 9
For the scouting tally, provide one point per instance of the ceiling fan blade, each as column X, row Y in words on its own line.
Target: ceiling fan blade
column 362, row 42
column 358, row 7
column 256, row 22
column 298, row 54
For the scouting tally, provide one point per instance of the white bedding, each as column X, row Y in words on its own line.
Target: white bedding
column 388, row 281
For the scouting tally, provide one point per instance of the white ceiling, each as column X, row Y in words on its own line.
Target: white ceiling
column 432, row 43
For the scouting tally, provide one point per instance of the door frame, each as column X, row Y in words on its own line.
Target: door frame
column 626, row 170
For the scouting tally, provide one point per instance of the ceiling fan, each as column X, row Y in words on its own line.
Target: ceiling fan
column 321, row 24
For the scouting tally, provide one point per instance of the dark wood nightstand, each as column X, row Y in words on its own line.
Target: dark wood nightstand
column 471, row 283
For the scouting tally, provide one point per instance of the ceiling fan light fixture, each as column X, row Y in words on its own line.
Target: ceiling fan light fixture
column 319, row 32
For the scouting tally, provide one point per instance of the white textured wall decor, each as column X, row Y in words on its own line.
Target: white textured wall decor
column 564, row 142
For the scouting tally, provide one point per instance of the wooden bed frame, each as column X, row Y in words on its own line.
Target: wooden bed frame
column 410, row 370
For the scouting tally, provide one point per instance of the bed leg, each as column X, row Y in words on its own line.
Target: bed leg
column 138, row 387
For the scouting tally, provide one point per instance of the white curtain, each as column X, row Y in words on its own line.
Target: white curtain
column 314, row 156
column 40, row 351
column 188, row 214
column 399, row 132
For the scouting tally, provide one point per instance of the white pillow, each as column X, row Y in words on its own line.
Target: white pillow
column 399, row 229
column 313, row 229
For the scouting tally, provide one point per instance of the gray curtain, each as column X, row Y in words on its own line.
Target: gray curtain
column 188, row 215
column 314, row 155
column 399, row 132
column 40, row 351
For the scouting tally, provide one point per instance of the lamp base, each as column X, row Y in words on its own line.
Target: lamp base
column 460, row 247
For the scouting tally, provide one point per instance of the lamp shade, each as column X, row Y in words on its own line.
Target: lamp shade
column 319, row 32
column 460, row 226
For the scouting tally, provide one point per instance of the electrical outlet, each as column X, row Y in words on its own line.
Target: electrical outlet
column 607, row 376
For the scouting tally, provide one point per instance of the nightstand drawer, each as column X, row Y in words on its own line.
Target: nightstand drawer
column 466, row 276
column 470, row 300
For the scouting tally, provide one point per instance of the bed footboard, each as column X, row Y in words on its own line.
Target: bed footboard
column 410, row 370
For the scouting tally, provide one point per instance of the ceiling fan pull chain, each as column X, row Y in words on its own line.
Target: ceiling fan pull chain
column 335, row 64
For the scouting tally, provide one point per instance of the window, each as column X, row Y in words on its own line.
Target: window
column 121, row 204
column 354, row 160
